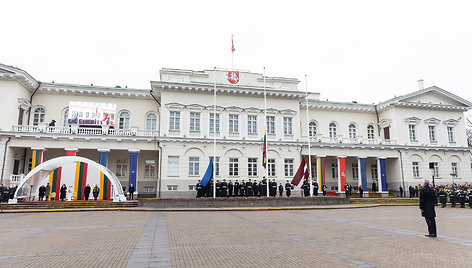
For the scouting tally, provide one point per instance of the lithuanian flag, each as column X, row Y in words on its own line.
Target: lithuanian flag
column 264, row 150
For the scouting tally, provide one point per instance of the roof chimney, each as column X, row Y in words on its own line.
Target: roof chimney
column 421, row 84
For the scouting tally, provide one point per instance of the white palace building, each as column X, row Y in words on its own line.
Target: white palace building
column 161, row 139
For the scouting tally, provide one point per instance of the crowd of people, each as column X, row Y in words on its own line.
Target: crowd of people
column 454, row 193
column 6, row 193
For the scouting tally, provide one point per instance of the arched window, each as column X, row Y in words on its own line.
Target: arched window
column 370, row 132
column 352, row 131
column 151, row 121
column 312, row 129
column 38, row 115
column 65, row 116
column 332, row 130
column 124, row 120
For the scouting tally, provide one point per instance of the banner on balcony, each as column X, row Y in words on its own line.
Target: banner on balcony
column 91, row 113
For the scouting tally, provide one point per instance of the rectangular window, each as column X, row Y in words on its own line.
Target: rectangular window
column 270, row 125
column 412, row 132
column 416, row 170
column 432, row 133
column 450, row 134
column 334, row 171
column 192, row 187
column 373, row 171
column 252, row 167
column 149, row 189
column 251, row 124
column 233, row 167
column 355, row 171
column 150, row 169
column 288, row 130
column 212, row 123
column 454, row 170
column 121, row 168
column 288, row 167
column 173, row 166
column 174, row 121
column 217, row 165
column 193, row 166
column 233, row 123
column 435, row 169
column 172, row 187
column 195, row 122
column 271, row 167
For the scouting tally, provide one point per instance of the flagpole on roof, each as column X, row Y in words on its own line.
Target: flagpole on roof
column 308, row 136
column 214, row 138
column 265, row 135
column 232, row 51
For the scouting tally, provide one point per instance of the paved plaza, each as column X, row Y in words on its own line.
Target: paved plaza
column 365, row 237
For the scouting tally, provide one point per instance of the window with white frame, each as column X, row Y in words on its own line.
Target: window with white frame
column 173, row 166
column 454, row 169
column 435, row 169
column 450, row 134
column 370, row 132
column 288, row 130
column 332, row 130
column 251, row 124
column 355, row 171
column 149, row 189
column 234, row 167
column 271, row 167
column 121, row 168
column 416, row 169
column 172, row 187
column 124, row 120
column 65, row 117
column 174, row 121
column 217, row 165
column 151, row 121
column 352, row 131
column 432, row 133
column 270, row 124
column 38, row 115
column 412, row 132
column 213, row 123
column 373, row 172
column 252, row 167
column 193, row 166
column 334, row 170
column 150, row 169
column 194, row 122
column 288, row 167
column 192, row 187
column 312, row 129
column 233, row 123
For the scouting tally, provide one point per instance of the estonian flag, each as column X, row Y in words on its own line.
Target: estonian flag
column 208, row 173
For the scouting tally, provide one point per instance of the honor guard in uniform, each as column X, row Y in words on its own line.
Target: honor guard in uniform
column 236, row 188
column 255, row 188
column 273, row 188
column 315, row 188
column 306, row 188
column 249, row 191
column 199, row 189
column 453, row 197
column 325, row 189
column 281, row 190
column 242, row 189
column 230, row 188
column 224, row 188
column 461, row 197
column 218, row 188
column 470, row 198
column 346, row 189
column 263, row 187
column 288, row 189
column 442, row 197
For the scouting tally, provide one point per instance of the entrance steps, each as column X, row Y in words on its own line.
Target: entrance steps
column 65, row 204
column 388, row 200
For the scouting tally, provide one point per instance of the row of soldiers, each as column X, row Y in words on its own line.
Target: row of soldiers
column 461, row 196
column 6, row 193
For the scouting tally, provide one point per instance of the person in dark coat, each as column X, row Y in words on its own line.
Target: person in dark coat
column 401, row 191
column 131, row 191
column 325, row 189
column 461, row 197
column 255, row 188
column 442, row 197
column 199, row 188
column 263, row 187
column 306, row 188
column 273, row 188
column 315, row 188
column 249, row 191
column 42, row 191
column 224, row 188
column 361, row 191
column 87, row 190
column 96, row 191
column 288, row 189
column 281, row 189
column 236, row 188
column 63, row 192
column 427, row 197
column 230, row 188
column 453, row 197
column 242, row 189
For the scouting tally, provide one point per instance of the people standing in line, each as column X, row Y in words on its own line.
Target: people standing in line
column 281, row 189
column 87, row 190
column 131, row 192
column 47, row 192
column 361, row 191
column 288, row 189
column 443, row 197
column 427, row 196
column 96, row 191
column 325, row 189
column 315, row 188
column 42, row 191
column 401, row 191
column 63, row 192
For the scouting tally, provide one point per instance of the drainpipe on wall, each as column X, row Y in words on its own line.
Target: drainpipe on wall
column 401, row 167
column 4, row 156
column 159, row 155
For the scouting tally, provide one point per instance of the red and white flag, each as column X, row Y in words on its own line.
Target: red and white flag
column 301, row 175
column 232, row 44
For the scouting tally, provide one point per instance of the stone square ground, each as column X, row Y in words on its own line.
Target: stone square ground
column 361, row 237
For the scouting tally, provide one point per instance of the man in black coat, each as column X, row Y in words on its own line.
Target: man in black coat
column 427, row 201
column 87, row 190
column 230, row 188
column 236, row 188
column 306, row 188
column 288, row 189
column 315, row 188
column 224, row 188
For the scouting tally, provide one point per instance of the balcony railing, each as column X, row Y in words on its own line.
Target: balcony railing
column 88, row 131
column 357, row 140
column 16, row 178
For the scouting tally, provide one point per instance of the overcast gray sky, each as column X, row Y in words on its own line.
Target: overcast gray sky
column 363, row 50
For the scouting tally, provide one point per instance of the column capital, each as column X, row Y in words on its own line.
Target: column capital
column 134, row 150
column 104, row 150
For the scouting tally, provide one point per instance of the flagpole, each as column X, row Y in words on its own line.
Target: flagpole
column 214, row 139
column 232, row 52
column 309, row 145
column 265, row 132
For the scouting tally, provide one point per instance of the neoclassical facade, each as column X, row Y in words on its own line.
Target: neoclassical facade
column 164, row 136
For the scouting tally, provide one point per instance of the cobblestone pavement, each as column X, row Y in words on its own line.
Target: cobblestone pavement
column 366, row 237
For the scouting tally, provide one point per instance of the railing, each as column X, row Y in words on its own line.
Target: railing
column 360, row 140
column 16, row 178
column 85, row 131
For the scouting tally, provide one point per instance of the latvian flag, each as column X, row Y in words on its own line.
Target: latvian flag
column 301, row 175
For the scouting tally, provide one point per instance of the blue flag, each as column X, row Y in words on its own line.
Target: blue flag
column 208, row 173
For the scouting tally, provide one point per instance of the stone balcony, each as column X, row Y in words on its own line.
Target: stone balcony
column 88, row 131
column 358, row 140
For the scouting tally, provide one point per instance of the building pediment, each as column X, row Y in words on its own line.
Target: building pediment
column 412, row 120
column 432, row 121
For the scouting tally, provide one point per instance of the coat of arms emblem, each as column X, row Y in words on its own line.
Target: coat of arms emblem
column 233, row 77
